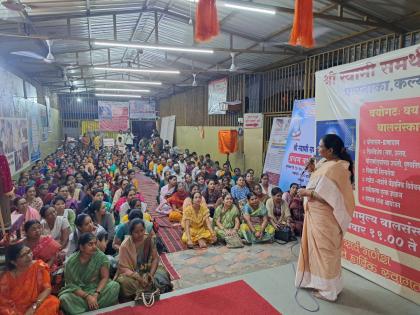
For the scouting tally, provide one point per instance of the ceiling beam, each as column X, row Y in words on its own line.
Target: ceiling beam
column 111, row 42
column 377, row 20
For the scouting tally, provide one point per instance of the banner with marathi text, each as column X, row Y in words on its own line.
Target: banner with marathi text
column 113, row 116
column 143, row 109
column 276, row 147
column 374, row 105
column 300, row 144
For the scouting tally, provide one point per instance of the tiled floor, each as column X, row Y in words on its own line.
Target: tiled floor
column 202, row 266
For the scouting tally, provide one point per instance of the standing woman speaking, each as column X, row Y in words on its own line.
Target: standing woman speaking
column 329, row 205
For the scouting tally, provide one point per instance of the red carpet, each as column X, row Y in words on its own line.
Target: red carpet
column 170, row 233
column 235, row 298
column 169, row 267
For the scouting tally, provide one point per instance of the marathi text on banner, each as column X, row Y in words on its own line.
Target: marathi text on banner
column 276, row 148
column 381, row 95
column 300, row 144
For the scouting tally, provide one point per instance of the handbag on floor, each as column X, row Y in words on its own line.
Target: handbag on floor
column 284, row 234
column 233, row 241
column 147, row 296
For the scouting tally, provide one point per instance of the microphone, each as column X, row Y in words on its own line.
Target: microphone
column 311, row 161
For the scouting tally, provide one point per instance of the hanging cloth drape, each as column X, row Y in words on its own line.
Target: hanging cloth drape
column 206, row 22
column 228, row 141
column 303, row 24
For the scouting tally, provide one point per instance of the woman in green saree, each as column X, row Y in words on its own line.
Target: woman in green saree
column 138, row 264
column 256, row 227
column 87, row 283
column 226, row 219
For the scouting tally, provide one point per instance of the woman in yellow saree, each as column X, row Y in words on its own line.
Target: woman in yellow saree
column 329, row 206
column 196, row 224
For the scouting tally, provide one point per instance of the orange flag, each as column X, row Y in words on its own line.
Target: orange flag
column 303, row 25
column 206, row 23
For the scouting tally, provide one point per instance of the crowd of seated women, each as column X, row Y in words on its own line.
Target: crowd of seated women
column 213, row 204
column 87, row 240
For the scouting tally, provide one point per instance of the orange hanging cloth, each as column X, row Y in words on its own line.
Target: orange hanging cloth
column 228, row 141
column 303, row 25
column 206, row 23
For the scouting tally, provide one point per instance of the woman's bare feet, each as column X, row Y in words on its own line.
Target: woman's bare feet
column 202, row 243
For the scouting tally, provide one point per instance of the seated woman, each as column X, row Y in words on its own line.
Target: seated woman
column 56, row 226
column 70, row 202
column 265, row 184
column 196, row 224
column 211, row 194
column 165, row 192
column 84, row 224
column 102, row 244
column 129, row 194
column 176, row 201
column 28, row 212
column 256, row 227
column 137, row 204
column 101, row 217
column 43, row 247
column 226, row 221
column 87, row 284
column 59, row 204
column 138, row 263
column 188, row 201
column 240, row 191
column 298, row 214
column 262, row 197
column 33, row 294
column 33, row 201
column 123, row 228
column 278, row 210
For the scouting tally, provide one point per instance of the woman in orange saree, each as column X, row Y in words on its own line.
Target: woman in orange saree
column 33, row 294
column 329, row 206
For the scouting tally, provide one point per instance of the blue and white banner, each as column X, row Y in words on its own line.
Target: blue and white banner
column 300, row 144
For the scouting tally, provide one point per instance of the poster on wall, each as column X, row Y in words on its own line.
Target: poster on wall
column 167, row 129
column 143, row 109
column 379, row 99
column 35, row 134
column 300, row 144
column 14, row 137
column 276, row 148
column 217, row 96
column 253, row 121
column 113, row 116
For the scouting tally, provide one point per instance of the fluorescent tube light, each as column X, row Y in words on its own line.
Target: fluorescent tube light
column 249, row 8
column 145, row 46
column 121, row 90
column 118, row 95
column 137, row 70
column 128, row 82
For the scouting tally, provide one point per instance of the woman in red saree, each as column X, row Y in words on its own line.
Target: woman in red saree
column 176, row 201
column 33, row 294
column 329, row 205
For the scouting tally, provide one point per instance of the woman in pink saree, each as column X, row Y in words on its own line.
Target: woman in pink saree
column 329, row 205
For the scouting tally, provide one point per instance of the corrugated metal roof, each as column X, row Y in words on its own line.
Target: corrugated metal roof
column 135, row 20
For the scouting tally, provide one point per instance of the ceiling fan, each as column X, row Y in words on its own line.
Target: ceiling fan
column 30, row 54
column 232, row 68
column 193, row 83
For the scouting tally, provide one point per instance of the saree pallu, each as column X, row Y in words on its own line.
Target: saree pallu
column 319, row 264
column 256, row 220
column 17, row 299
column 139, row 260
column 227, row 219
column 86, row 277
